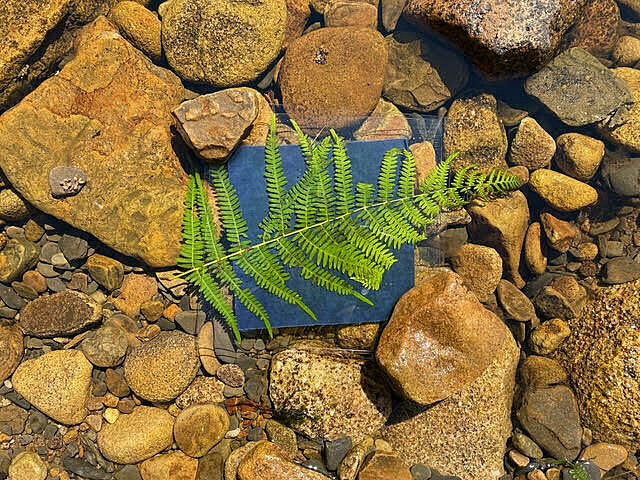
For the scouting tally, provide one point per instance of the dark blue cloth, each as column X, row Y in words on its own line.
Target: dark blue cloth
column 246, row 172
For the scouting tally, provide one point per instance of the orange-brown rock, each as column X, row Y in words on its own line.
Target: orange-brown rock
column 267, row 461
column 298, row 12
column 106, row 112
column 333, row 76
column 560, row 234
column 439, row 340
column 534, row 257
column 134, row 291
column 11, row 349
column 385, row 466
column 172, row 465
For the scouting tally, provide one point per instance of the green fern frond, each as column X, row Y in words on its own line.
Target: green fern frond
column 319, row 225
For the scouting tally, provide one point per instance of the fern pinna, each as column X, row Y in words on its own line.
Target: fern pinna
column 321, row 225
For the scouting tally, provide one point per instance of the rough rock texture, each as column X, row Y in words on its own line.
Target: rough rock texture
column 621, row 174
column 328, row 395
column 516, row 305
column 139, row 26
column 12, row 207
column 536, row 372
column 107, row 112
column 547, row 337
column 480, row 267
column 434, row 436
column 202, row 390
column 360, row 337
column 161, row 369
column 532, row 146
column 439, row 340
column 627, row 51
column 562, row 192
column 578, row 155
column 503, row 37
column 134, row 291
column 27, row 466
column 534, row 257
column 36, row 36
column 385, row 466
column 333, row 76
column 199, row 428
column 222, row 43
column 560, row 234
column 169, row 466
column 17, row 256
column 108, row 272
column 580, row 90
column 502, row 224
column 602, row 358
column 57, row 384
column 298, row 12
column 213, row 125
column 627, row 135
column 11, row 349
column 267, row 461
column 474, row 130
column 344, row 14
column 386, row 121
column 105, row 347
column 136, row 436
column 550, row 415
column 60, row 314
column 597, row 28
column 421, row 73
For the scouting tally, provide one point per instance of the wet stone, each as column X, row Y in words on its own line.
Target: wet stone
column 66, row 181
column 231, row 375
column 335, row 451
column 56, row 285
column 85, row 469
column 11, row 298
column 191, row 321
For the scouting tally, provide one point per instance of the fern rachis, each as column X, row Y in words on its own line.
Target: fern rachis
column 319, row 224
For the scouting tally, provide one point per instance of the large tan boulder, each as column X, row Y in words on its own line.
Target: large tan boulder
column 266, row 461
column 466, row 433
column 108, row 113
column 439, row 340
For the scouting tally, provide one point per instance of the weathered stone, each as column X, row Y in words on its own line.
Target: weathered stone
column 627, row 51
column 439, row 320
column 560, row 234
column 298, row 12
column 391, row 10
column 385, row 122
column 134, row 291
column 422, row 74
column 628, row 134
column 61, row 314
column 480, row 267
column 169, row 466
column 532, row 146
column 508, row 38
column 360, row 337
column 11, row 349
column 333, row 76
column 605, row 455
column 502, row 224
column 596, row 30
column 323, row 390
column 385, row 466
column 66, row 181
column 199, row 428
column 561, row 192
column 284, row 437
column 536, row 372
column 161, row 369
column 621, row 270
column 214, row 124
column 234, row 459
column 222, row 44
column 474, row 130
column 12, row 207
column 425, row 157
column 515, row 304
column 206, row 350
column 534, row 258
column 137, row 436
column 139, row 26
column 17, row 256
column 345, row 14
column 78, row 120
column 580, row 90
column 57, row 384
column 465, row 434
column 267, row 461
column 108, row 272
column 546, row 338
column 105, row 347
column 27, row 466
column 550, row 415
column 579, row 156
column 621, row 174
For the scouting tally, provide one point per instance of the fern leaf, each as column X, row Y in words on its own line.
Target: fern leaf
column 343, row 181
column 235, row 226
column 387, row 176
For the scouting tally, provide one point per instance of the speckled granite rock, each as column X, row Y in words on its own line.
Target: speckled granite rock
column 140, row 26
column 466, row 433
column 57, row 384
column 602, row 359
column 627, row 135
column 326, row 393
column 597, row 28
column 267, row 461
column 503, row 37
column 222, row 43
column 173, row 465
column 107, row 112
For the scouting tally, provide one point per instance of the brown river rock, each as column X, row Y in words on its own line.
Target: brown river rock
column 11, row 349
column 439, row 340
column 108, row 113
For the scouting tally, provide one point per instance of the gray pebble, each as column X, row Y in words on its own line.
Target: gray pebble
column 420, row 472
column 14, row 232
column 66, row 181
column 48, row 250
column 128, row 472
column 37, row 422
column 526, row 445
column 230, row 392
column 592, row 470
column 56, row 285
column 11, row 298
column 335, row 451
column 46, row 270
column 6, row 312
column 191, row 321
column 255, row 434
column 74, row 248
column 255, row 387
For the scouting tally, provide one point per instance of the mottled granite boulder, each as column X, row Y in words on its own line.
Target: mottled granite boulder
column 466, row 433
column 325, row 393
column 503, row 37
column 108, row 113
